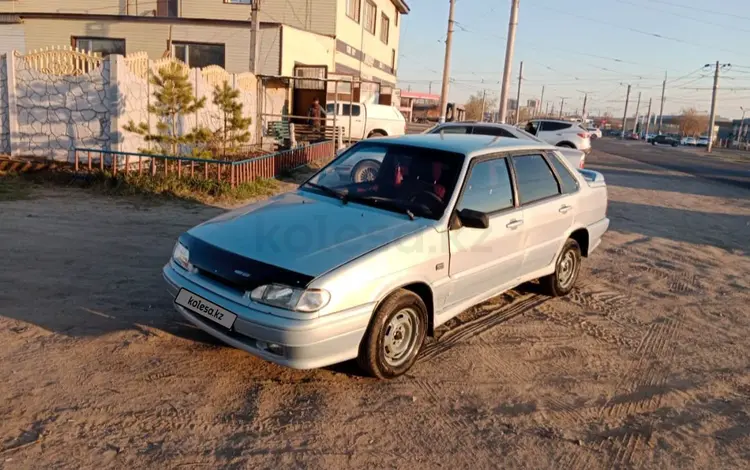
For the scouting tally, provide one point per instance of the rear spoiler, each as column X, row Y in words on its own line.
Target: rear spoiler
column 593, row 178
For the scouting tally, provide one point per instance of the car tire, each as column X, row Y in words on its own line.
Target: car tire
column 366, row 170
column 567, row 268
column 377, row 134
column 395, row 336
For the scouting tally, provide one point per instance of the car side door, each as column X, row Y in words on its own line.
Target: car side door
column 485, row 259
column 548, row 207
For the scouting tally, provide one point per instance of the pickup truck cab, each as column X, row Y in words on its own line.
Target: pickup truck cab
column 339, row 270
column 366, row 120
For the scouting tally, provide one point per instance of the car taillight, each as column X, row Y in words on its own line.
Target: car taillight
column 580, row 164
column 583, row 135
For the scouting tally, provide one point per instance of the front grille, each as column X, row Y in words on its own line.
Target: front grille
column 222, row 280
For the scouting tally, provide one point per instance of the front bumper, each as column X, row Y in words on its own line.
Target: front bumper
column 305, row 344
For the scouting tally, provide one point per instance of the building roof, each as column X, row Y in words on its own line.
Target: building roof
column 419, row 96
column 463, row 144
column 401, row 6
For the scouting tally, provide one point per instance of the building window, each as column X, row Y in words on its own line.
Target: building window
column 397, row 15
column 168, row 8
column 199, row 55
column 101, row 46
column 239, row 2
column 385, row 28
column 393, row 61
column 352, row 9
column 371, row 12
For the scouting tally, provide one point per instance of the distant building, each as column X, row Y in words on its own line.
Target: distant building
column 512, row 104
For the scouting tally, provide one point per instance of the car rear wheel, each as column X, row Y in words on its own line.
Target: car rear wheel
column 567, row 267
column 395, row 336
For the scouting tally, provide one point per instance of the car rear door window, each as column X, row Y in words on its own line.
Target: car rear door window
column 554, row 126
column 453, row 130
column 535, row 178
column 569, row 183
column 488, row 188
column 493, row 130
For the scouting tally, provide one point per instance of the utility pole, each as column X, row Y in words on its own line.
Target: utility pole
column 661, row 107
column 562, row 104
column 430, row 87
column 637, row 109
column 625, row 115
column 541, row 100
column 742, row 121
column 546, row 110
column 518, row 95
column 585, row 100
column 712, row 119
column 510, row 44
column 447, row 63
column 484, row 97
column 648, row 121
column 254, row 36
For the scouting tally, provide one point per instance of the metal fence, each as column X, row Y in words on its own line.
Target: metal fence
column 232, row 172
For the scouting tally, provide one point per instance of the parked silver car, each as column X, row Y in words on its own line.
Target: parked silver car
column 338, row 270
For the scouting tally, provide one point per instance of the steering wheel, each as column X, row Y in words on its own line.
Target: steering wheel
column 431, row 200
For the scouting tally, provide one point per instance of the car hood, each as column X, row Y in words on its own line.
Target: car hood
column 304, row 232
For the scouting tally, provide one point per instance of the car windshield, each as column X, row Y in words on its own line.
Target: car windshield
column 416, row 181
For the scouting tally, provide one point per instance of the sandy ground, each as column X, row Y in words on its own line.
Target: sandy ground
column 645, row 365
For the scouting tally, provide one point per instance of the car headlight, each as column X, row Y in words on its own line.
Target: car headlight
column 181, row 255
column 291, row 298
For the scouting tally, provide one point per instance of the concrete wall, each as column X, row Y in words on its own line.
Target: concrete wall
column 48, row 114
column 99, row 7
column 304, row 48
column 58, row 112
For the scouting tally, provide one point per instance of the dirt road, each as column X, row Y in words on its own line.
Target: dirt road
column 646, row 364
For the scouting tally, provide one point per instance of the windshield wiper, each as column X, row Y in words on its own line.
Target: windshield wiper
column 382, row 203
column 337, row 194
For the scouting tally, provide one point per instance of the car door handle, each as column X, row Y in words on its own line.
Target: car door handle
column 514, row 224
column 565, row 208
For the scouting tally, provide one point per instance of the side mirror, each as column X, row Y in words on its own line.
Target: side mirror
column 473, row 219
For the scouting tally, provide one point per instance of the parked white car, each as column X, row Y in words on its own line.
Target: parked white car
column 560, row 133
column 688, row 141
column 577, row 158
column 595, row 132
column 339, row 270
column 366, row 120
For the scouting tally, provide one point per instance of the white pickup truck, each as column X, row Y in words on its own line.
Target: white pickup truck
column 366, row 120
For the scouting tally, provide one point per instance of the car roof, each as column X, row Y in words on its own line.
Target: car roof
column 469, row 145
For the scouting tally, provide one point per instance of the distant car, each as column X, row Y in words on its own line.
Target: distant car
column 595, row 132
column 560, row 133
column 665, row 140
column 575, row 157
column 366, row 120
column 632, row 136
column 650, row 137
column 702, row 141
column 689, row 141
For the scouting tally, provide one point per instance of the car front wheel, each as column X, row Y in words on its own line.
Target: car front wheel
column 395, row 336
column 567, row 267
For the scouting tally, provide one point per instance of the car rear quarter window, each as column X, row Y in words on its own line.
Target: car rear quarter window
column 569, row 183
column 488, row 188
column 535, row 178
column 452, row 130
column 493, row 130
column 554, row 126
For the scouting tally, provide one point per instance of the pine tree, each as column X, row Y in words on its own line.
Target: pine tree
column 234, row 126
column 174, row 98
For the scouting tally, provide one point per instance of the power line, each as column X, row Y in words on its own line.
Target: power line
column 699, row 20
column 702, row 10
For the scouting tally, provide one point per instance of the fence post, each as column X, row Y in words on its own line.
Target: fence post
column 231, row 175
column 75, row 156
column 115, row 63
column 10, row 64
column 292, row 136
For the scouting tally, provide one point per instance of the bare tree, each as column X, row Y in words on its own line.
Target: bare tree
column 474, row 106
column 693, row 123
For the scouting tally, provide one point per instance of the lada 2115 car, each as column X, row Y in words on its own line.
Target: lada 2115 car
column 339, row 270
